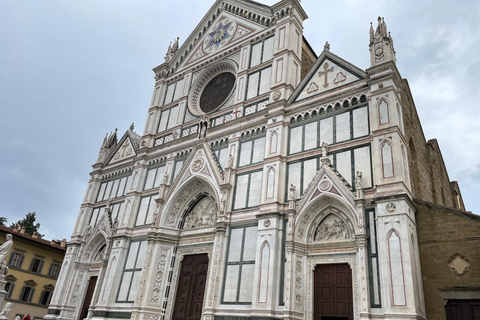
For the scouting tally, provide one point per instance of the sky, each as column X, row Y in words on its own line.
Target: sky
column 71, row 71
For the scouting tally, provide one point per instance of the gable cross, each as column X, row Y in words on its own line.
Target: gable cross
column 125, row 147
column 325, row 72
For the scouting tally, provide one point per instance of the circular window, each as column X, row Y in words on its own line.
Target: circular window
column 217, row 91
column 212, row 88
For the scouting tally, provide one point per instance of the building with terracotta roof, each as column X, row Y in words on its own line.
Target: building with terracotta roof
column 34, row 265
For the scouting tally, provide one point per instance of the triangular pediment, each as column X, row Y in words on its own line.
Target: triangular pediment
column 202, row 163
column 199, row 175
column 223, row 27
column 328, row 182
column 329, row 72
column 126, row 148
column 226, row 31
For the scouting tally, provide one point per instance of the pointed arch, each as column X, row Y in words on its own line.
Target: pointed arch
column 387, row 158
column 310, row 217
column 273, row 141
column 270, row 183
column 264, row 272
column 206, row 215
column 383, row 113
column 93, row 246
column 395, row 259
column 174, row 210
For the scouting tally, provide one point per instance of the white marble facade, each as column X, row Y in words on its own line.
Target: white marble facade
column 247, row 183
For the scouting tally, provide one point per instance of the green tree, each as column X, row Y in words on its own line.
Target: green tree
column 29, row 222
column 3, row 220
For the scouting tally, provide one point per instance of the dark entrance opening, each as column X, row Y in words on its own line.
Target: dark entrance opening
column 88, row 297
column 463, row 310
column 191, row 288
column 333, row 295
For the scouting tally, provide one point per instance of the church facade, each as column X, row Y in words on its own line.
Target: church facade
column 268, row 183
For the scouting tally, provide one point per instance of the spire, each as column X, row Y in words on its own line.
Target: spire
column 381, row 43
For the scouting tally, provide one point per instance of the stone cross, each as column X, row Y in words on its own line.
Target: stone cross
column 325, row 72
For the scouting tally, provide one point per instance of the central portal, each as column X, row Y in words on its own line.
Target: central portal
column 191, row 288
column 333, row 295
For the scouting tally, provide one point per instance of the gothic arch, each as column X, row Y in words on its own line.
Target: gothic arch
column 386, row 151
column 383, row 107
column 93, row 246
column 203, row 199
column 175, row 207
column 309, row 219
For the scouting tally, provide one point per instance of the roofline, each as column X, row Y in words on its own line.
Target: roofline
column 5, row 230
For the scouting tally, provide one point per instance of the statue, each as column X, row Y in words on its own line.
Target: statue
column 165, row 178
column 5, row 248
column 230, row 161
column 292, row 192
column 324, row 149
column 358, row 180
column 203, row 126
column 6, row 310
column 174, row 47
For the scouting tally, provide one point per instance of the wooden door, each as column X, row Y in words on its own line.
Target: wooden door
column 463, row 310
column 191, row 288
column 88, row 297
column 333, row 295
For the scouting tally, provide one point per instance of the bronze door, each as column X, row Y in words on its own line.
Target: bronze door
column 463, row 310
column 333, row 295
column 88, row 297
column 191, row 288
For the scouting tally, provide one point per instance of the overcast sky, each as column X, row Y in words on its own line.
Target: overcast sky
column 72, row 71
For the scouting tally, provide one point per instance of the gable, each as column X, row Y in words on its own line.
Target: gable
column 328, row 75
column 126, row 150
column 225, row 31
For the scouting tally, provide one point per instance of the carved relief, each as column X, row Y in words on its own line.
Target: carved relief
column 197, row 164
column 125, row 151
column 390, row 207
column 203, row 215
column 458, row 263
column 183, row 198
column 157, row 283
column 312, row 87
column 276, row 95
column 298, row 282
column 332, row 227
column 340, row 77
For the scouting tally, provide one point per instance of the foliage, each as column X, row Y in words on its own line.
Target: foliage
column 3, row 220
column 29, row 222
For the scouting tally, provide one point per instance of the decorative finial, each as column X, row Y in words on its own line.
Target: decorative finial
column 372, row 32
column 326, row 47
column 132, row 126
